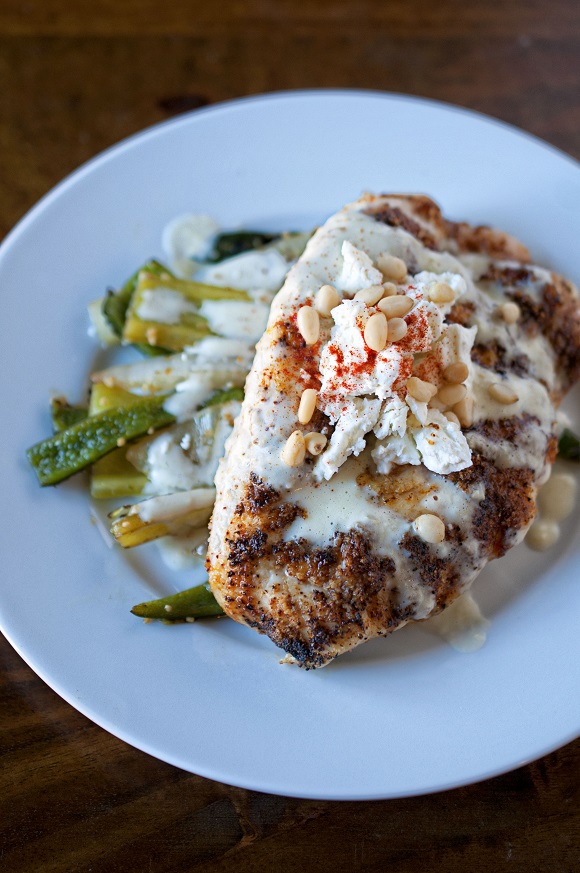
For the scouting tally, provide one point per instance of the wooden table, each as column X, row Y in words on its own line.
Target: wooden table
column 78, row 76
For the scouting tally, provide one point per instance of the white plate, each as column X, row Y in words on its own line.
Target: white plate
column 401, row 716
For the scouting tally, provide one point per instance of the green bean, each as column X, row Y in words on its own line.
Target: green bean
column 64, row 414
column 196, row 602
column 77, row 447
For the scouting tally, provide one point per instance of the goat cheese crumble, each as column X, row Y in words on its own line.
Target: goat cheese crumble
column 363, row 392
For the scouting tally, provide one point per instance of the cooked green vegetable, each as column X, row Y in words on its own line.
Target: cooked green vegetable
column 73, row 449
column 196, row 602
column 227, row 245
column 182, row 298
column 569, row 446
column 115, row 476
column 130, row 530
column 224, row 395
column 64, row 414
column 116, row 303
column 149, row 377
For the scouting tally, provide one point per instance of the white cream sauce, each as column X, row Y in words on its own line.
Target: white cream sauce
column 235, row 319
column 170, row 506
column 186, row 238
column 342, row 505
column 184, row 552
column 462, row 625
column 556, row 502
column 265, row 270
column 164, row 305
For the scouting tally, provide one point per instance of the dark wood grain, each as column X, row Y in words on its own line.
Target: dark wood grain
column 77, row 77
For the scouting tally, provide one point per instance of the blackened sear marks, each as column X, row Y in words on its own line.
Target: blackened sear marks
column 395, row 217
column 349, row 589
column 508, row 505
column 247, row 549
column 554, row 314
column 494, row 356
column 349, row 563
column 510, row 429
column 258, row 495
column 507, row 276
column 440, row 575
column 462, row 313
column 485, row 241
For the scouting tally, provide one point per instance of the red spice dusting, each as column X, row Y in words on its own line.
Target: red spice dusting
column 430, row 368
column 405, row 370
column 415, row 340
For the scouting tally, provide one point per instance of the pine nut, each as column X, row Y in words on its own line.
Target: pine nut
column 397, row 329
column 396, row 306
column 456, row 372
column 542, row 535
column 464, row 411
column 440, row 292
column 392, row 268
column 370, row 295
column 450, row 416
column 326, row 300
column 430, row 528
column 502, row 393
column 389, row 288
column 308, row 324
column 294, row 450
column 510, row 312
column 307, row 405
column 315, row 443
column 420, row 390
column 557, row 497
column 451, row 394
column 375, row 332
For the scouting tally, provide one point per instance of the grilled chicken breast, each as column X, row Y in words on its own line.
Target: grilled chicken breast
column 368, row 480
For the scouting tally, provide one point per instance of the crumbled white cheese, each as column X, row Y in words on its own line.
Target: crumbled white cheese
column 186, row 238
column 442, row 445
column 358, row 271
column 425, row 280
column 396, row 450
column 360, row 416
column 350, row 371
column 418, row 408
column 343, row 358
column 393, row 418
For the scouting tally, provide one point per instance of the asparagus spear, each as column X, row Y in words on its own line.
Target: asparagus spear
column 161, row 516
column 197, row 602
column 116, row 303
column 185, row 326
column 229, row 362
